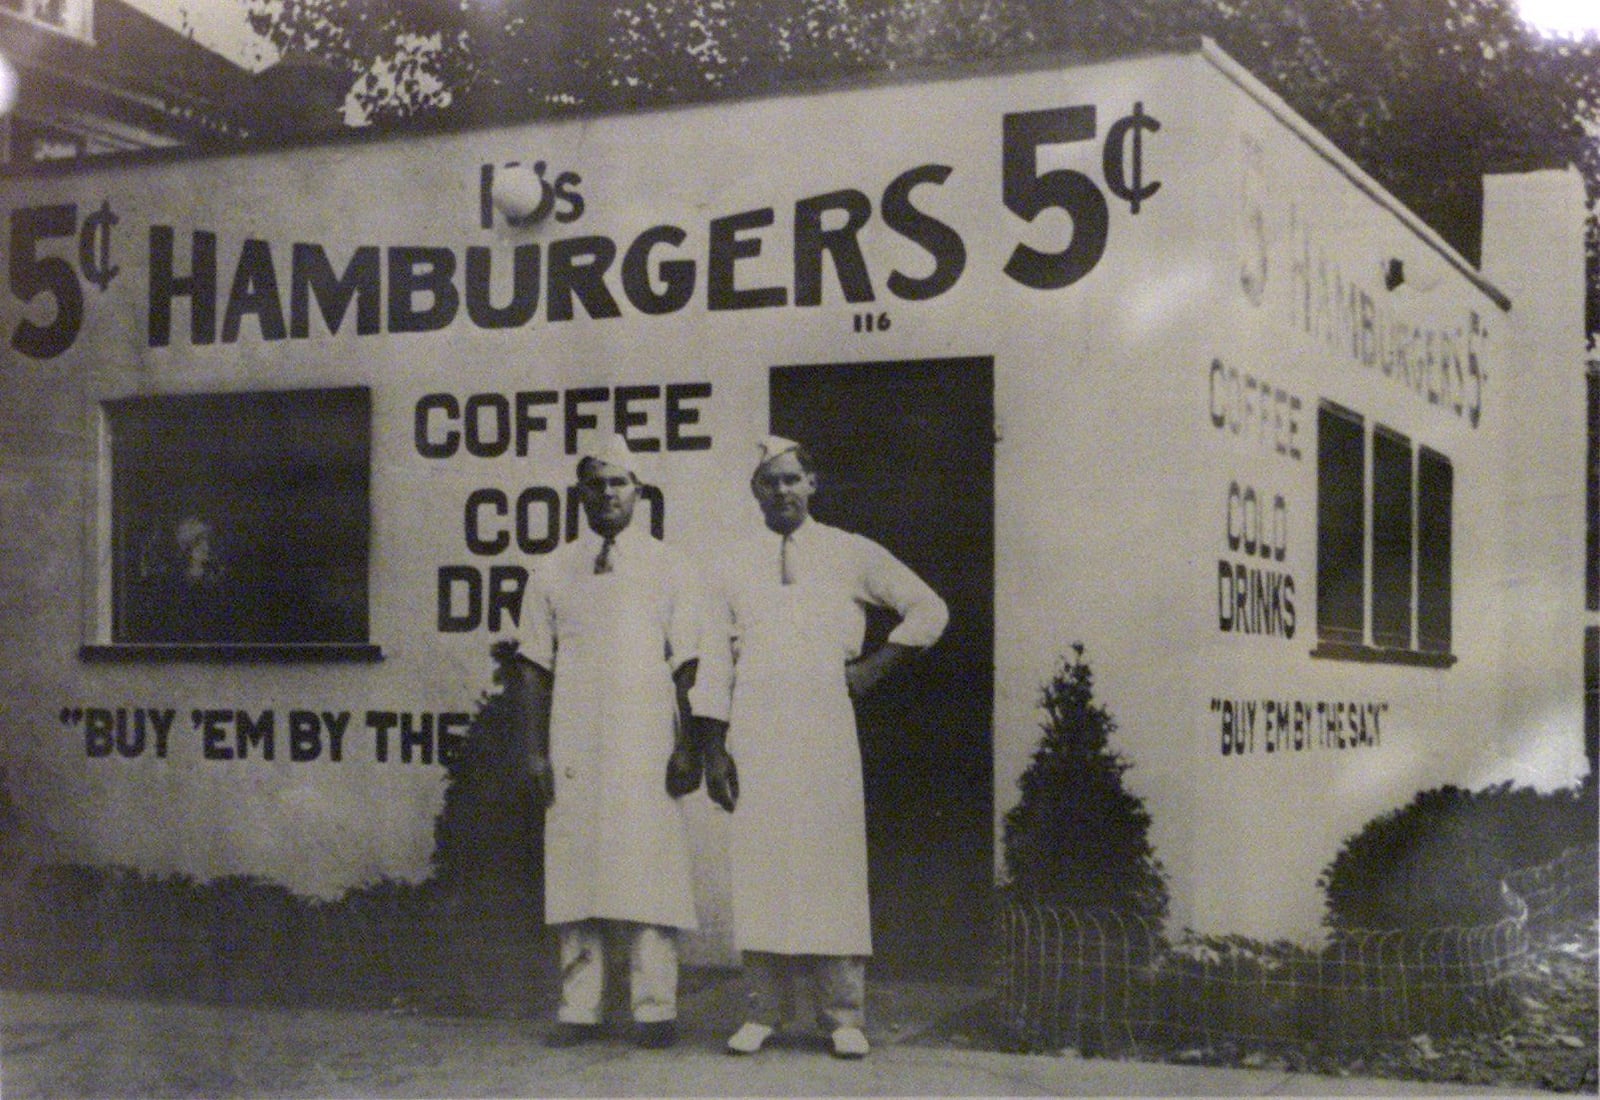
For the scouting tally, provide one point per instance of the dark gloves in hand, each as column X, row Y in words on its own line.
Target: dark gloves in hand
column 710, row 736
column 722, row 778
column 683, row 771
column 544, row 780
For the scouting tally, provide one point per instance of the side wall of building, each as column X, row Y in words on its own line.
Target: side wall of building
column 1380, row 386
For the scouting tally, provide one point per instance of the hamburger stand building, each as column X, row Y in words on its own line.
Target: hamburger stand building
column 1121, row 353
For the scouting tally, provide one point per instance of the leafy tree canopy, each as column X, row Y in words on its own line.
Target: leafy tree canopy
column 1427, row 95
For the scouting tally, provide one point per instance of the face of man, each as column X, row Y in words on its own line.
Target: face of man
column 200, row 565
column 783, row 488
column 608, row 494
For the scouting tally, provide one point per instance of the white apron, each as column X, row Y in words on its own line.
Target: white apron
column 799, row 849
column 615, row 841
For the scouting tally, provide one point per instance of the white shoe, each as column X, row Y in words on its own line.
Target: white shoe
column 749, row 1038
column 850, row 1042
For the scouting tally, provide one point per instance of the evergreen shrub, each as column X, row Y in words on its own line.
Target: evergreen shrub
column 489, row 835
column 1077, row 837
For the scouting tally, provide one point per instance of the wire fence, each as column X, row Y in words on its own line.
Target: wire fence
column 1096, row 980
column 1566, row 885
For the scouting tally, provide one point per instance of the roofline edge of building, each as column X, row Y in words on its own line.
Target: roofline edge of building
column 1275, row 105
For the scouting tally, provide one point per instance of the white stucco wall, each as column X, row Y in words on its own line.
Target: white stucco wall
column 1531, row 248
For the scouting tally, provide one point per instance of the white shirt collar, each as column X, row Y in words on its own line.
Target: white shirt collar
column 799, row 534
column 592, row 539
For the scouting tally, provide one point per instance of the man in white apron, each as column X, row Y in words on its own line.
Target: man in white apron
column 610, row 637
column 781, row 664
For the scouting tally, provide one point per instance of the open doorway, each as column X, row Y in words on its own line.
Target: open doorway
column 906, row 457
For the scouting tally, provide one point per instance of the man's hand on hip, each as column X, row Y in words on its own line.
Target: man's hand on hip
column 864, row 673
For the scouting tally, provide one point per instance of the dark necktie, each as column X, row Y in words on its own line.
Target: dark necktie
column 602, row 561
column 785, row 567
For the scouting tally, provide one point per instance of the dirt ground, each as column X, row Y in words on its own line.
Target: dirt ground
column 502, row 971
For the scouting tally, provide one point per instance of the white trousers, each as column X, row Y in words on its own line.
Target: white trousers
column 652, row 970
column 838, row 988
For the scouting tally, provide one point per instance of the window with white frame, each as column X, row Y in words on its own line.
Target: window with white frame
column 1384, row 507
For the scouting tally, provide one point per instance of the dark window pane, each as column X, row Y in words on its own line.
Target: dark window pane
column 1435, row 491
column 1391, row 539
column 241, row 518
column 1341, row 526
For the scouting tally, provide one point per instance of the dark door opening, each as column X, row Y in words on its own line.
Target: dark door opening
column 906, row 457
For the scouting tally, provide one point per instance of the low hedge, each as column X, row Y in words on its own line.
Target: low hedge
column 1441, row 860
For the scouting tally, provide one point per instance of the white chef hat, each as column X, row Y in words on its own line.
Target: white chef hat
column 612, row 450
column 771, row 447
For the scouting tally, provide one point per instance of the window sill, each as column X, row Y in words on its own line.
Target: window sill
column 1344, row 651
column 233, row 653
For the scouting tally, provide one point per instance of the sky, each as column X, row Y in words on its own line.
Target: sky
column 216, row 24
column 1565, row 17
column 220, row 24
